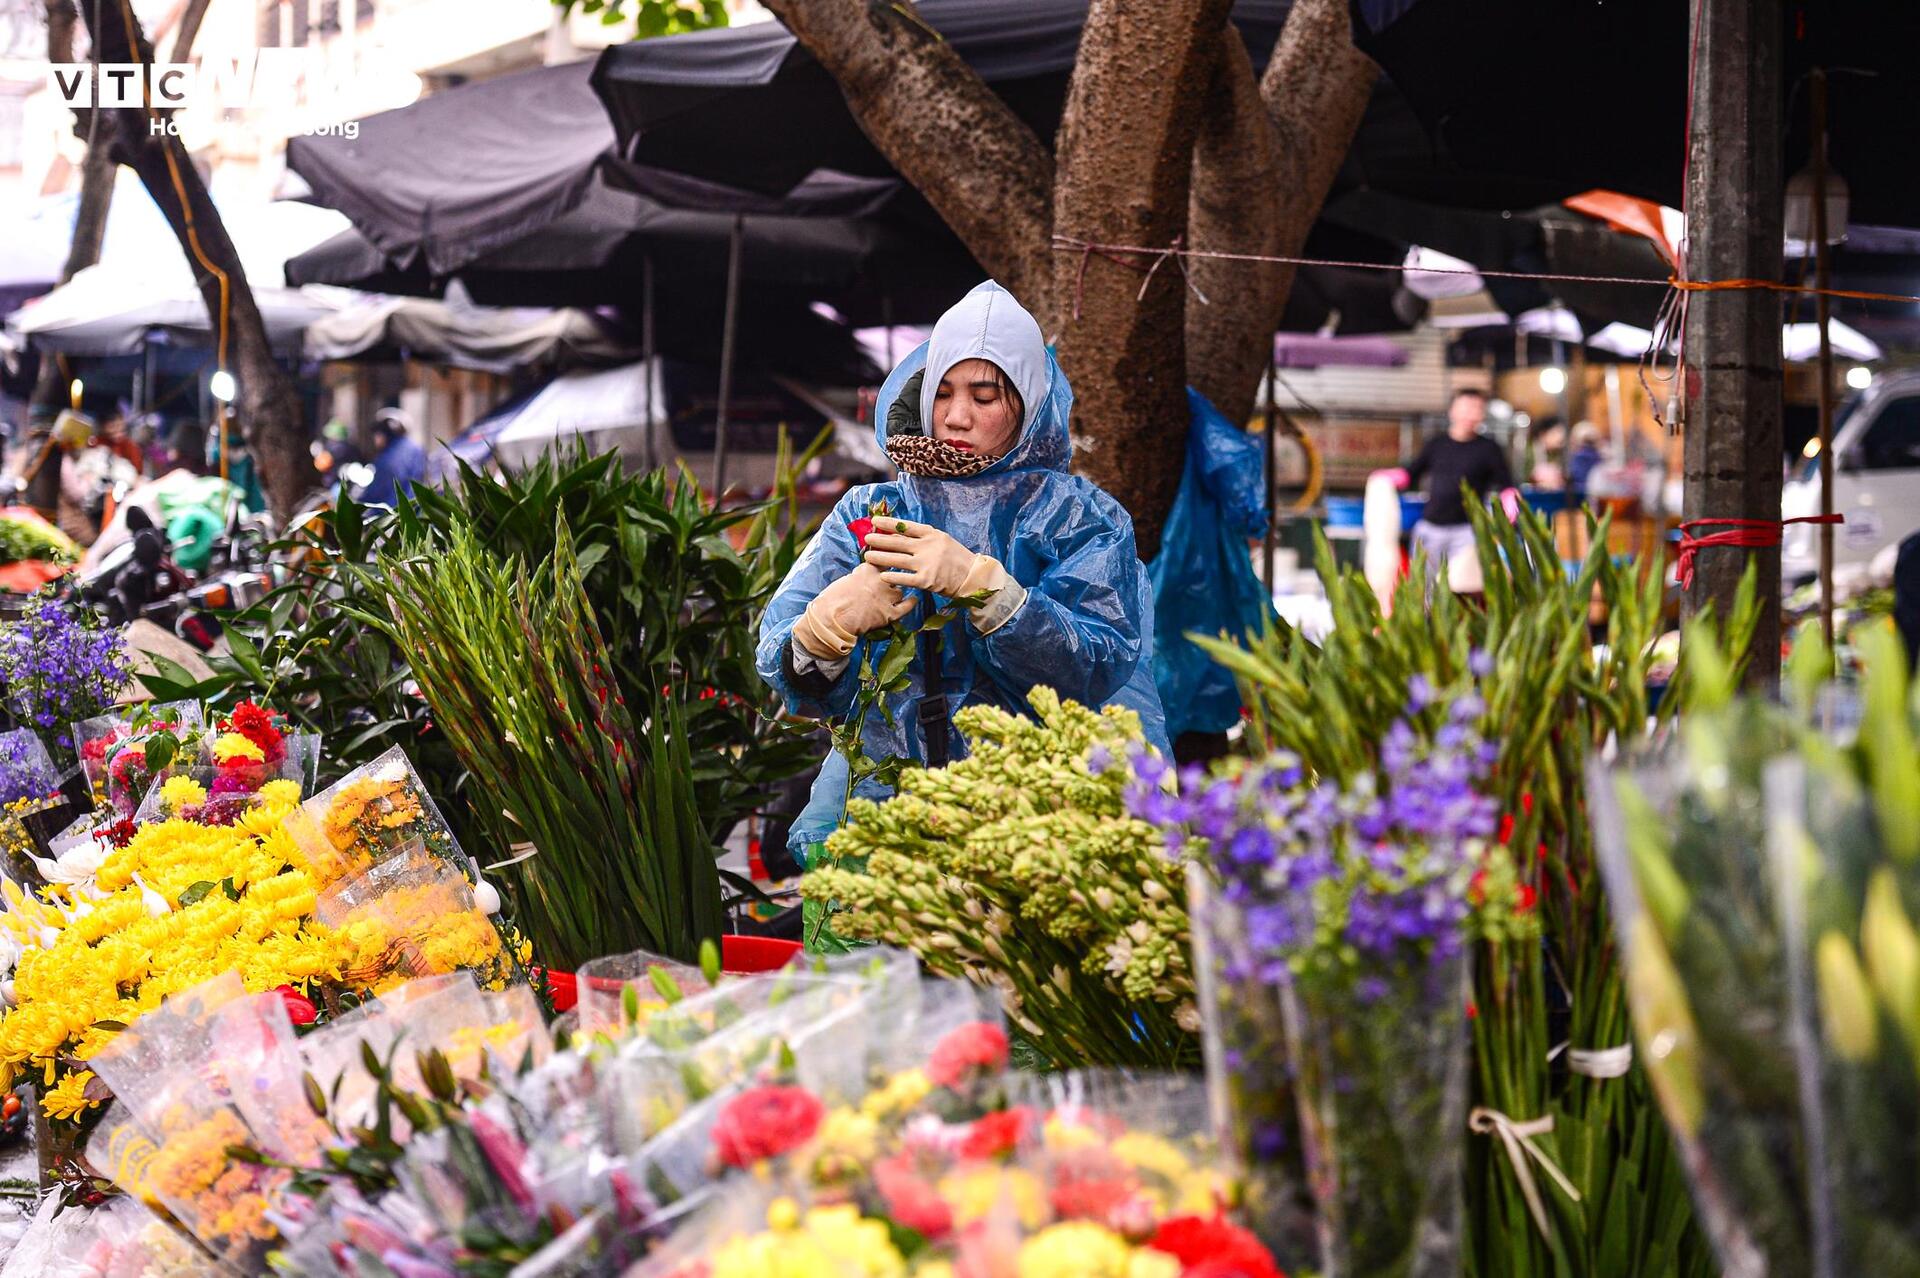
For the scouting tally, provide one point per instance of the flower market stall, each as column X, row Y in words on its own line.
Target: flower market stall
column 402, row 947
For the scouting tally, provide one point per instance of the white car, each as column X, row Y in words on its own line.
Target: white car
column 1876, row 480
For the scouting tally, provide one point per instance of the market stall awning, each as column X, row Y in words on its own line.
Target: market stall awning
column 750, row 107
column 111, row 309
column 464, row 335
column 461, row 173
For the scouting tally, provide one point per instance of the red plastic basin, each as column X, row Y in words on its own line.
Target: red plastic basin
column 739, row 956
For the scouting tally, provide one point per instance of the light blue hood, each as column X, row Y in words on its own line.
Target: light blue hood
column 1086, row 628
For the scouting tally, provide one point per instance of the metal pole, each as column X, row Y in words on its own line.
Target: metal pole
column 1273, row 444
column 726, row 358
column 647, row 357
column 1732, row 369
column 1822, row 310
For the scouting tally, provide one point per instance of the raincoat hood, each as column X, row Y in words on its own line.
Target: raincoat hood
column 989, row 324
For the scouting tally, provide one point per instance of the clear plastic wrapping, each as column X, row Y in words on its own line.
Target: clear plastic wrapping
column 112, row 750
column 412, row 915
column 377, row 811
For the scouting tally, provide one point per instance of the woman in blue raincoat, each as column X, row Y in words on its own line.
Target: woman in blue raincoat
column 976, row 421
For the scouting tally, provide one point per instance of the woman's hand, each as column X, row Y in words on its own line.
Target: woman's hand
column 921, row 556
column 862, row 601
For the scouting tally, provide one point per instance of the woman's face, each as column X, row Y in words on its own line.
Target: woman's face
column 975, row 410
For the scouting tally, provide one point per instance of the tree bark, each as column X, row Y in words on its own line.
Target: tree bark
column 268, row 407
column 1125, row 167
column 1284, row 141
column 190, row 19
column 983, row 170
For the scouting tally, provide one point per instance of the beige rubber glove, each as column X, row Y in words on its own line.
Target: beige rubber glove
column 849, row 607
column 921, row 556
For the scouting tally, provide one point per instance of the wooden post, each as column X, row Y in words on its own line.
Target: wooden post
column 1733, row 463
column 1823, row 308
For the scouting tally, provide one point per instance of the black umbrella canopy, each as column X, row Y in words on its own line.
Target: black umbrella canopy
column 750, row 107
column 1588, row 94
column 462, row 173
column 596, row 254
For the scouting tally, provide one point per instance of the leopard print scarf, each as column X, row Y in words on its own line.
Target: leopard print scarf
column 919, row 454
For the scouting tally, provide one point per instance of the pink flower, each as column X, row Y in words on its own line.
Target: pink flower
column 911, row 1200
column 765, row 1122
column 979, row 1046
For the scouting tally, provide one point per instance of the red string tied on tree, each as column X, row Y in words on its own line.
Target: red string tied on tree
column 1747, row 534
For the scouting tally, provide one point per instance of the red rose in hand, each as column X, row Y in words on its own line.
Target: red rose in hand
column 911, row 1200
column 765, row 1123
column 1213, row 1247
column 980, row 1046
column 300, row 1009
column 860, row 528
column 997, row 1134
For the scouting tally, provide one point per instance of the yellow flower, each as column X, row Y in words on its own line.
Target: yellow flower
column 231, row 745
column 68, row 1099
column 1078, row 1249
column 182, row 792
column 902, row 1092
column 280, row 793
column 977, row 1192
column 829, row 1242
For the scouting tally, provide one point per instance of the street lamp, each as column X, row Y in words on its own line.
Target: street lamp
column 221, row 386
column 1859, row 377
column 1553, row 379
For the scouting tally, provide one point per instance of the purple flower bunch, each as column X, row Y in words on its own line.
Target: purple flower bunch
column 26, row 770
column 1323, row 874
column 59, row 665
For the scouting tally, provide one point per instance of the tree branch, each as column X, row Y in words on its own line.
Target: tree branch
column 1234, row 209
column 983, row 170
column 1125, row 167
column 1315, row 90
column 268, row 408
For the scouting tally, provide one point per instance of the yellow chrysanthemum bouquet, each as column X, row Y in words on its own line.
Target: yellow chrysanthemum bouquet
column 219, row 871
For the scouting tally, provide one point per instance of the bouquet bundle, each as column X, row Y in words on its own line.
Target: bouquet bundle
column 59, row 666
column 1019, row 868
column 207, row 876
column 1089, row 1175
column 376, row 811
column 123, row 754
column 1765, row 879
column 30, row 799
column 1333, row 921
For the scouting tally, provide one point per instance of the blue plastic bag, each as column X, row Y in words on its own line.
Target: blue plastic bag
column 1203, row 578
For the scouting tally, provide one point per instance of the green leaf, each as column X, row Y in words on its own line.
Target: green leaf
column 160, row 750
column 226, row 885
column 197, row 892
column 710, row 961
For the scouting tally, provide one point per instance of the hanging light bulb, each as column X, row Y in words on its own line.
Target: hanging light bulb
column 1553, row 379
column 221, row 386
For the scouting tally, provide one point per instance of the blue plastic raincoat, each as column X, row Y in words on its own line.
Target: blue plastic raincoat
column 1086, row 628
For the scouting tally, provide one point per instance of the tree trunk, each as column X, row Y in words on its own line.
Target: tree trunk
column 984, row 171
column 268, row 407
column 1315, row 90
column 1124, row 171
column 1132, row 165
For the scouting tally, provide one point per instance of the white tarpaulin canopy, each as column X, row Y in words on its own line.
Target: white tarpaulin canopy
column 143, row 281
column 622, row 402
column 459, row 333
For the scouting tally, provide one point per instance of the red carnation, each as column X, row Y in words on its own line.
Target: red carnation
column 910, row 1200
column 980, row 1045
column 765, row 1123
column 1214, row 1247
column 300, row 1009
column 1108, row 1198
column 860, row 528
column 255, row 723
column 997, row 1134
